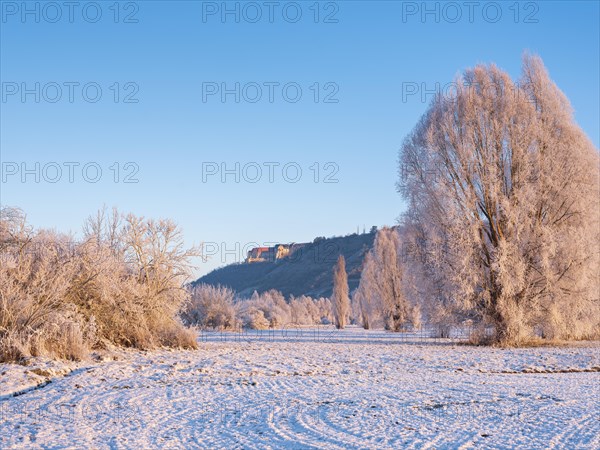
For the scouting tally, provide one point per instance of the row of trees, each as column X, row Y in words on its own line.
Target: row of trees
column 503, row 216
column 218, row 307
column 379, row 300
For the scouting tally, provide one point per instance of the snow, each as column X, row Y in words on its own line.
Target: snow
column 308, row 389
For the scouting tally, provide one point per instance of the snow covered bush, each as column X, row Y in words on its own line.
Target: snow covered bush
column 211, row 307
column 254, row 318
column 503, row 208
column 277, row 310
column 308, row 311
column 35, row 277
column 266, row 310
column 132, row 280
column 324, row 308
column 121, row 284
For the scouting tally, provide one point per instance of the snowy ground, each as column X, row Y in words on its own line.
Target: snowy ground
column 309, row 389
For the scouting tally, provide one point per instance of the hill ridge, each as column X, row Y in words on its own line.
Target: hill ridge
column 307, row 270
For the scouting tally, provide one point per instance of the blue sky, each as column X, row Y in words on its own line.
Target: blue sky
column 178, row 50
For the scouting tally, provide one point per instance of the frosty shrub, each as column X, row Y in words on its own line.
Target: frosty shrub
column 132, row 280
column 267, row 310
column 308, row 311
column 503, row 208
column 254, row 318
column 211, row 307
column 121, row 284
column 35, row 277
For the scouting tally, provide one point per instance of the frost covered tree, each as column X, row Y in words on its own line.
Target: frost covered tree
column 340, row 301
column 368, row 307
column 503, row 214
column 380, row 293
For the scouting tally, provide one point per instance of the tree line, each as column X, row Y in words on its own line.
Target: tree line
column 501, row 229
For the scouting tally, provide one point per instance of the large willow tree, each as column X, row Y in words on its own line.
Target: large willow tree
column 502, row 189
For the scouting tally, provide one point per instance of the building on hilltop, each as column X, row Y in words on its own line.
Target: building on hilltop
column 260, row 254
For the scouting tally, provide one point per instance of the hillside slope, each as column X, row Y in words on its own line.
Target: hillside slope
column 308, row 270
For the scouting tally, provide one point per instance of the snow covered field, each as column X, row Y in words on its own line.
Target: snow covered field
column 309, row 389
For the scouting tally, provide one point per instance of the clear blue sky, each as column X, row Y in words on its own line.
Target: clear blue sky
column 171, row 131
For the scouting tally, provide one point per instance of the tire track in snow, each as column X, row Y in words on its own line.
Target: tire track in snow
column 315, row 395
